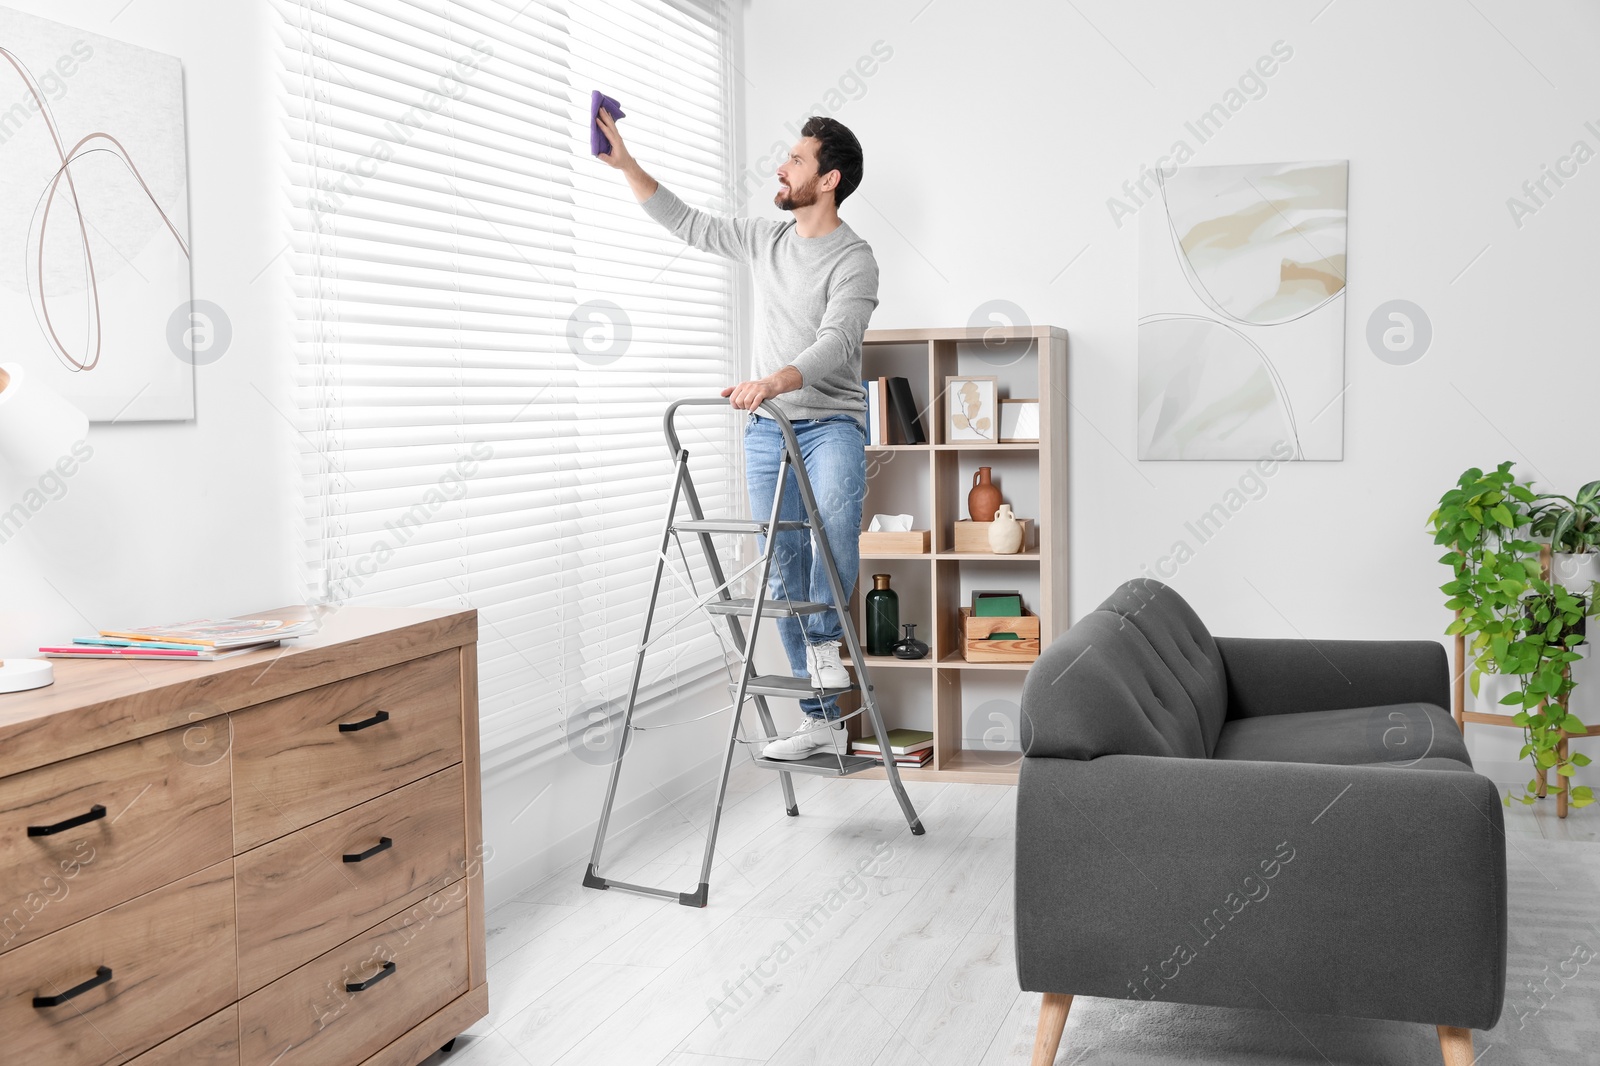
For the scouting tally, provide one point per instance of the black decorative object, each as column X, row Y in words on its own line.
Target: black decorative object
column 910, row 647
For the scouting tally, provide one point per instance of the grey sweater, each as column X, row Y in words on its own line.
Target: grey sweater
column 814, row 296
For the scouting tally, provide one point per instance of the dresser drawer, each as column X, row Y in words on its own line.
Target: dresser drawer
column 293, row 764
column 83, row 835
column 318, row 1016
column 164, row 961
column 213, row 1042
column 299, row 895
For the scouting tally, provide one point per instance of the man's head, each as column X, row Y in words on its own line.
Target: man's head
column 825, row 161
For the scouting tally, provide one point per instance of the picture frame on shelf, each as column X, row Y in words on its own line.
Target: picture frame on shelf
column 971, row 409
column 1019, row 422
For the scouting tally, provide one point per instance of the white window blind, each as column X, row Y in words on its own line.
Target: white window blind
column 488, row 327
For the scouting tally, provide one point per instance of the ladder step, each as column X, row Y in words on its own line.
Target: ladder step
column 733, row 525
column 821, row 763
column 769, row 608
column 785, row 687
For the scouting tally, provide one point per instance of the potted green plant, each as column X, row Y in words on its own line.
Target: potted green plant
column 1571, row 525
column 1514, row 622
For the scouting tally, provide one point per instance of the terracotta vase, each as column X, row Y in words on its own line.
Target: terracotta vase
column 984, row 497
column 1005, row 534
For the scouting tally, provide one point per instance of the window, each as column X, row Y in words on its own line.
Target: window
column 488, row 327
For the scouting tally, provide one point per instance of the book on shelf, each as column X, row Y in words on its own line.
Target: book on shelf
column 921, row 758
column 217, row 633
column 907, row 427
column 901, row 742
column 877, row 391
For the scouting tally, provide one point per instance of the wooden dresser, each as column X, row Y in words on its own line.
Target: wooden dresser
column 271, row 860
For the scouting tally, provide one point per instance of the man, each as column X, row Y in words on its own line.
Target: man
column 816, row 284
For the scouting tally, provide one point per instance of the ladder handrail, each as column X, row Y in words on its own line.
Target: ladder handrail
column 670, row 429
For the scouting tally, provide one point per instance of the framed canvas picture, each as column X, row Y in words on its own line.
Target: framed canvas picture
column 971, row 409
column 1019, row 421
column 94, row 222
column 1241, row 313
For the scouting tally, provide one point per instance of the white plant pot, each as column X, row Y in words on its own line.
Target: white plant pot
column 1491, row 689
column 1575, row 573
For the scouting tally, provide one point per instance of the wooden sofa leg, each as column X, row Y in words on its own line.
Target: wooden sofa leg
column 1456, row 1045
column 1052, row 1020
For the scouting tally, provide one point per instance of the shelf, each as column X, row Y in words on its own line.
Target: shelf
column 963, row 333
column 967, row 767
column 940, row 692
column 875, row 661
column 963, row 446
column 979, row 446
column 955, row 661
column 991, row 556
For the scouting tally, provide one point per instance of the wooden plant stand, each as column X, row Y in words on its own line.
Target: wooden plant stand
column 1463, row 716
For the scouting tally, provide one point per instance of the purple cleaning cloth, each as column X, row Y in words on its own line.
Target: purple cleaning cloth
column 598, row 145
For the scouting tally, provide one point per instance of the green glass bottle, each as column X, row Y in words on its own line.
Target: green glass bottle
column 883, row 616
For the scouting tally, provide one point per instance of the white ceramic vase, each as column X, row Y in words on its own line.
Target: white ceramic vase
column 1005, row 532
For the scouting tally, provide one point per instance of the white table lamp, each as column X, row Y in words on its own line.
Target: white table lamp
column 37, row 429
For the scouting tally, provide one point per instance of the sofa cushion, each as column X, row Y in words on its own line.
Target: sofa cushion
column 1102, row 689
column 1402, row 733
column 1184, row 644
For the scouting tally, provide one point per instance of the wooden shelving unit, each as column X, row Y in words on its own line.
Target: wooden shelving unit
column 931, row 481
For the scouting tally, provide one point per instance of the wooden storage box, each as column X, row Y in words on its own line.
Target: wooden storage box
column 908, row 542
column 974, row 536
column 976, row 647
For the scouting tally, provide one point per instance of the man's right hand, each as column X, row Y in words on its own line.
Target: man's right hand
column 618, row 158
column 642, row 184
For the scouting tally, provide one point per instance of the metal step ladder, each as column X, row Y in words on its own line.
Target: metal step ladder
column 739, row 613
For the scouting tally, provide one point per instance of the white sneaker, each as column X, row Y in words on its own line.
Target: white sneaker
column 825, row 667
column 815, row 734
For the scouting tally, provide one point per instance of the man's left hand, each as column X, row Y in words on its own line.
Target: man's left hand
column 749, row 395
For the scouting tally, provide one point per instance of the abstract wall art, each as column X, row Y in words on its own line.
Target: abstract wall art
column 94, row 219
column 1241, row 313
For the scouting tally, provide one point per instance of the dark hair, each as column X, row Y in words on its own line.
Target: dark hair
column 840, row 151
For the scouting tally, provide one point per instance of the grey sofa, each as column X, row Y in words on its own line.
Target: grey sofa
column 1278, row 824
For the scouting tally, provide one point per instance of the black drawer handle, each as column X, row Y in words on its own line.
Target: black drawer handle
column 101, row 976
column 95, row 812
column 362, row 986
column 351, row 727
column 383, row 844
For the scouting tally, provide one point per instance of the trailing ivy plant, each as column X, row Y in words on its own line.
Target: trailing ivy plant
column 1515, row 623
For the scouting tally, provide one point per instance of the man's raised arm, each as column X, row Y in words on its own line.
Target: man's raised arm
column 730, row 238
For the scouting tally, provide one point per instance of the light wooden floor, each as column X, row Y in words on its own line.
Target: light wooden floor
column 912, row 967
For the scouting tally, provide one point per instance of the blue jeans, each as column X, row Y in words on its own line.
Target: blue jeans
column 835, row 453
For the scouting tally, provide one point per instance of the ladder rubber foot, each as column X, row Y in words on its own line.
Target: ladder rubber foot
column 916, row 828
column 697, row 898
column 591, row 881
column 794, row 812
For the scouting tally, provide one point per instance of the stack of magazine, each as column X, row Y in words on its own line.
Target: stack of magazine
column 204, row 640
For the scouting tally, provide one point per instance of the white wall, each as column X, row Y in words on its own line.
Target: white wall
column 174, row 520
column 996, row 132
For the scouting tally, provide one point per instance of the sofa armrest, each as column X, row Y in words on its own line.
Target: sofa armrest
column 1363, row 891
column 1279, row 676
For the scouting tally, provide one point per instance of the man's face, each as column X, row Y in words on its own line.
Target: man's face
column 798, row 181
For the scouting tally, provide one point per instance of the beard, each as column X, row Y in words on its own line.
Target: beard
column 804, row 196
